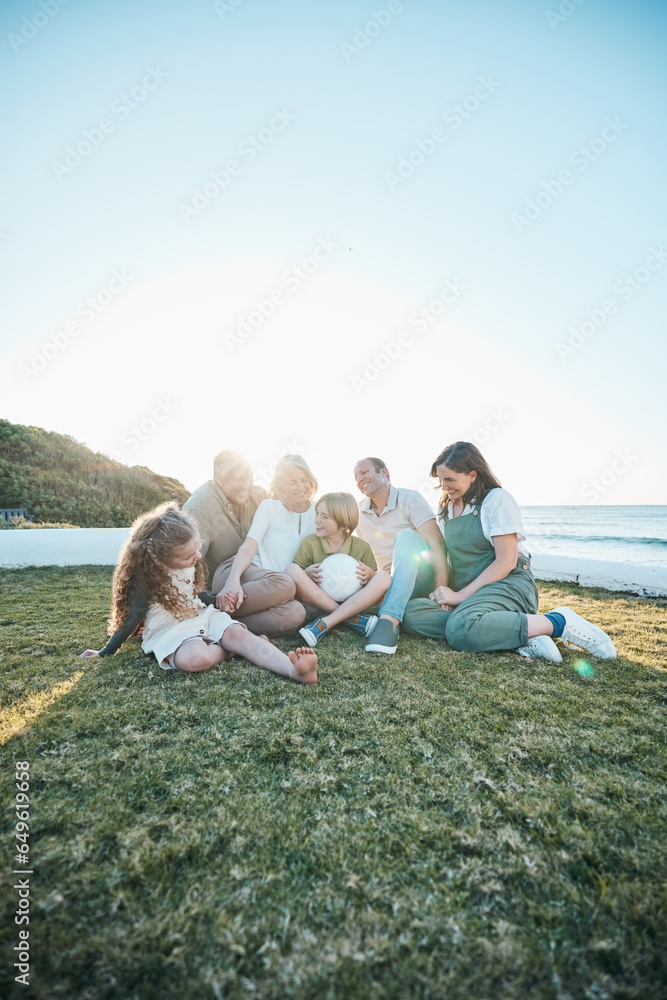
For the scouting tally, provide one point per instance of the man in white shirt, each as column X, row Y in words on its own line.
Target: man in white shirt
column 403, row 533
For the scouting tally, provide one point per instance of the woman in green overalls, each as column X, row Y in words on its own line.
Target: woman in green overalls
column 491, row 602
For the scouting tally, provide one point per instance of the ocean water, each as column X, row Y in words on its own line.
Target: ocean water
column 614, row 534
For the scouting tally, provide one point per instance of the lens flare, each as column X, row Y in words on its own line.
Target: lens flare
column 583, row 668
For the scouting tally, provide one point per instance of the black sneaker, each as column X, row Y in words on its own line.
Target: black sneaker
column 383, row 638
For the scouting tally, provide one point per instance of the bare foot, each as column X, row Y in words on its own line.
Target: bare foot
column 304, row 661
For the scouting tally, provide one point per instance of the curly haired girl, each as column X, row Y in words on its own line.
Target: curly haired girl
column 158, row 578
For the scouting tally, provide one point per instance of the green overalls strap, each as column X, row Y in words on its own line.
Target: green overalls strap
column 494, row 617
column 470, row 552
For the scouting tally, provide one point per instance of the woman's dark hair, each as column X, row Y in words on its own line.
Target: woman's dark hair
column 463, row 456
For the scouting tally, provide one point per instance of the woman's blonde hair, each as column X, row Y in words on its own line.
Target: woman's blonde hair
column 283, row 469
column 343, row 508
column 144, row 562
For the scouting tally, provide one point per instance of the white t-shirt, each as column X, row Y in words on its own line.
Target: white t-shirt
column 500, row 515
column 278, row 533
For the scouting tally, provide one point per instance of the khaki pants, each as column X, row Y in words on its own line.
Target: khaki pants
column 269, row 607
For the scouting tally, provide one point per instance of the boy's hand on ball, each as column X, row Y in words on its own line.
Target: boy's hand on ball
column 364, row 573
column 315, row 573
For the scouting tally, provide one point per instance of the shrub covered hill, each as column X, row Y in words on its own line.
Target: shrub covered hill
column 58, row 480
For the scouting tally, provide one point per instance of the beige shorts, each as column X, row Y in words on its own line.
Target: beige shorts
column 210, row 626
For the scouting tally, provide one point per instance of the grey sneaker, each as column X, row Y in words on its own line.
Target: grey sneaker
column 542, row 646
column 580, row 633
column 383, row 638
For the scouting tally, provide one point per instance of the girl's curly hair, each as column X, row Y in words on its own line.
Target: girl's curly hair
column 144, row 561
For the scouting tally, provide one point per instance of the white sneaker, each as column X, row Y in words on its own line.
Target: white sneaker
column 579, row 633
column 542, row 646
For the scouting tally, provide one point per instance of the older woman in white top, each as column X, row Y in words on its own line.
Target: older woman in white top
column 279, row 526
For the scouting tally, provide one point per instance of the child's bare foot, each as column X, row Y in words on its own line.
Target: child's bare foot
column 304, row 661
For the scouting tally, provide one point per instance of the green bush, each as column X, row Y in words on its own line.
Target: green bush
column 61, row 481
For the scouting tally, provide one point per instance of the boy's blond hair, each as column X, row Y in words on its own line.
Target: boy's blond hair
column 343, row 508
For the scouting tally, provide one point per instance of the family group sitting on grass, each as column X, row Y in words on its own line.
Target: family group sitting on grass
column 463, row 576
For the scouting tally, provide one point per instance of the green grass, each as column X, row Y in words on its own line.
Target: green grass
column 427, row 825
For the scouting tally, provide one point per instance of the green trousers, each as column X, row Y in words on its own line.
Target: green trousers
column 493, row 618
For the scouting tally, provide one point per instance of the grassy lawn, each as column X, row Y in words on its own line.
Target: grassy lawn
column 427, row 825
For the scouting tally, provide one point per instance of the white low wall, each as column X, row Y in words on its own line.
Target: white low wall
column 101, row 546
column 61, row 546
column 648, row 581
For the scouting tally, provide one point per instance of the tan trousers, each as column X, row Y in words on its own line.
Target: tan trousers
column 269, row 607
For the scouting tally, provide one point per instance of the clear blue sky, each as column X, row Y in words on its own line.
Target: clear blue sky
column 582, row 93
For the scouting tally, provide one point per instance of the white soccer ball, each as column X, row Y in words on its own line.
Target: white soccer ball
column 339, row 576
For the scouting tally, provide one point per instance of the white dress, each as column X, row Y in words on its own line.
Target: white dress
column 163, row 633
